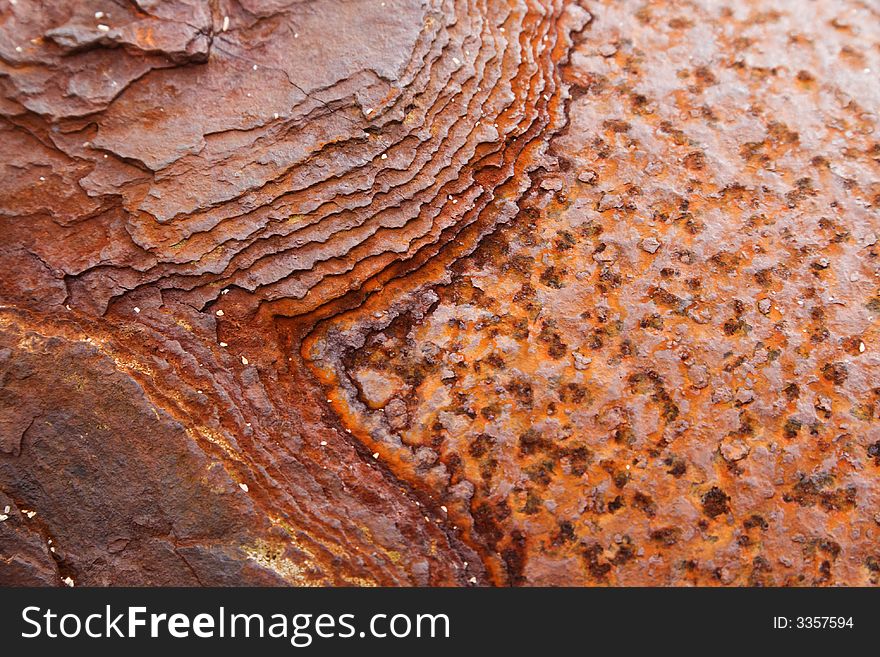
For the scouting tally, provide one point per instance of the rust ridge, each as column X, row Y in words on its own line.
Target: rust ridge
column 439, row 292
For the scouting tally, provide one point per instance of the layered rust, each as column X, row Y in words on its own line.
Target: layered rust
column 440, row 292
column 188, row 188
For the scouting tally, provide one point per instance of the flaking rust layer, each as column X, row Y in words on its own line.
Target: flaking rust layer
column 439, row 292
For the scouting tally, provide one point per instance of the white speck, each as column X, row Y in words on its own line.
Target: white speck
column 348, row 431
column 275, row 115
column 255, row 67
column 867, row 70
column 17, row 48
column 627, row 467
column 244, row 361
column 384, row 156
column 323, row 443
column 42, row 178
column 51, row 548
column 3, row 517
column 375, row 456
column 368, row 111
column 296, row 35
column 219, row 313
column 223, row 344
column 199, row 391
column 225, row 23
column 854, row 277
column 248, row 95
column 244, row 487
column 136, row 309
column 68, row 581
column 861, row 346
column 224, row 291
column 30, row 514
column 99, row 14
column 444, row 509
column 6, row 510
column 103, row 28
column 456, row 61
column 473, row 580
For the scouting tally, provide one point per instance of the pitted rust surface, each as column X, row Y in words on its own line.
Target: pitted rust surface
column 664, row 371
column 442, row 292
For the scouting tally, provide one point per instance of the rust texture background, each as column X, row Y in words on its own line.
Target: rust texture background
column 439, row 292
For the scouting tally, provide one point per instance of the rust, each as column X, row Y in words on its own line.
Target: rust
column 518, row 293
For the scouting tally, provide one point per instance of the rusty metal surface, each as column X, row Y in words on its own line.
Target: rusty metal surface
column 468, row 293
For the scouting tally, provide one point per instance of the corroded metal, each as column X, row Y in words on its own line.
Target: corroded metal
column 441, row 292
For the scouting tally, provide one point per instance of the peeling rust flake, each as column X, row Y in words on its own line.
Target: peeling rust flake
column 439, row 292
